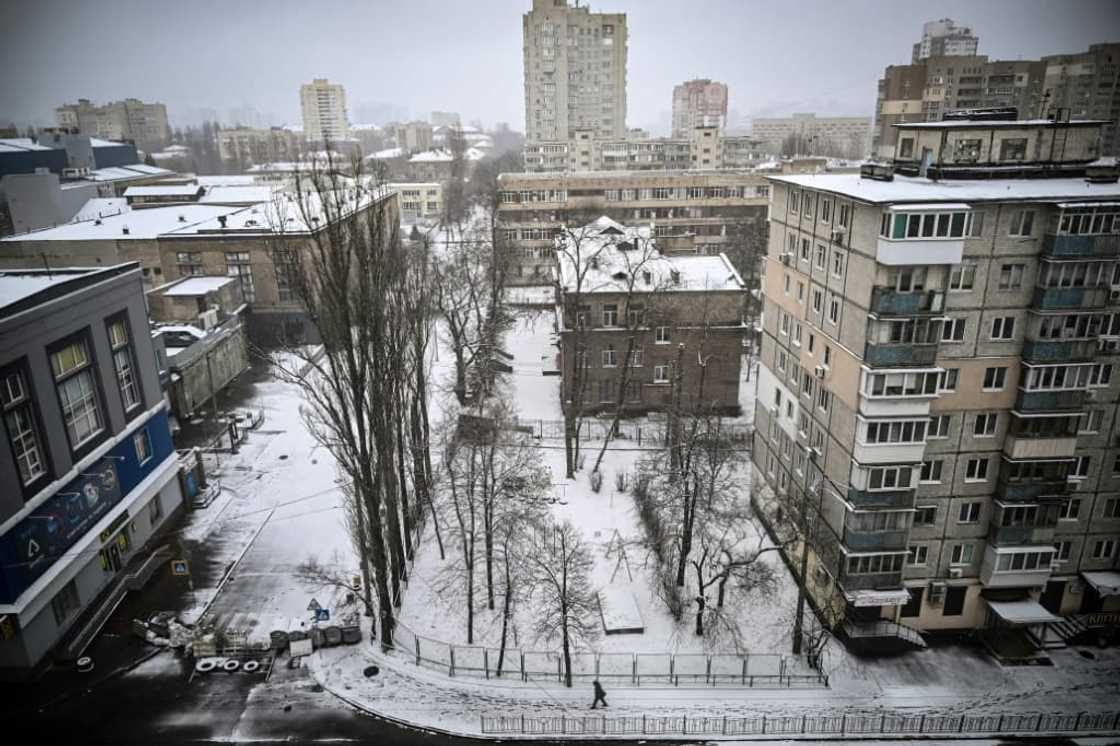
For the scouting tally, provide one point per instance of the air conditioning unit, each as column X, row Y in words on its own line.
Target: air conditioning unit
column 1091, row 394
column 936, row 593
column 208, row 319
column 956, row 572
column 838, row 235
column 787, row 259
column 1114, row 295
column 819, row 371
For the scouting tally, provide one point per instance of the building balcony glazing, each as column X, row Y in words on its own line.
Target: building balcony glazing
column 887, row 301
column 1059, row 350
column 1042, row 401
column 900, row 354
column 1058, row 299
column 1066, row 245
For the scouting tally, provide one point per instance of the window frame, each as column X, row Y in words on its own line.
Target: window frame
column 81, row 336
column 27, row 402
column 128, row 347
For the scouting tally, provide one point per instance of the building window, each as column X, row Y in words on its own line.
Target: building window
column 610, row 357
column 995, row 379
column 23, row 431
column 962, row 277
column 961, row 555
column 1111, row 508
column 1100, row 374
column 837, row 264
column 925, row 515
column 77, row 392
column 1011, row 276
column 636, row 356
column 65, row 603
column 285, row 267
column 1091, row 421
column 142, row 442
column 976, row 470
column 952, row 330
column 939, row 426
column 1013, row 149
column 1003, row 328
column 949, row 379
column 155, row 510
column 1022, row 221
column 917, row 554
column 661, row 374
column 189, row 263
column 969, row 513
column 1062, row 550
column 986, row 424
column 833, row 310
column 805, row 244
column 662, row 335
column 931, row 471
column 1104, row 549
column 821, row 254
column 237, row 265
column 122, row 364
column 889, row 478
column 610, row 315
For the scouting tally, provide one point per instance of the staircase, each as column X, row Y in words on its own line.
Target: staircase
column 882, row 636
column 1068, row 629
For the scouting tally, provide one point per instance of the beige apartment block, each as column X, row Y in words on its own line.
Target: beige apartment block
column 699, row 103
column 420, row 200
column 247, row 146
column 690, row 211
column 575, row 71
column 702, row 147
column 939, row 386
column 130, row 119
column 323, row 105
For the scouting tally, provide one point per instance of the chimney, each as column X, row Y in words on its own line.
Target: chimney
column 124, row 230
column 222, row 221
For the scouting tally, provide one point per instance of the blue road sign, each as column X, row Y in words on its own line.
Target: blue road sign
column 322, row 615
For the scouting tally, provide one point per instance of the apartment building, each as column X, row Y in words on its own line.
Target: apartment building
column 89, row 474
column 694, row 211
column 937, row 397
column 253, row 244
column 945, row 38
column 1086, row 84
column 845, row 137
column 413, row 136
column 699, row 103
column 419, row 199
column 131, row 119
column 324, row 111
column 575, row 71
column 634, row 321
column 247, row 146
column 704, row 147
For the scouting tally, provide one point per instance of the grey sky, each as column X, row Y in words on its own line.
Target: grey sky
column 776, row 57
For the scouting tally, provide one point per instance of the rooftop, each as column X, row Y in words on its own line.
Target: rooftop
column 236, row 195
column 163, row 190
column 21, row 289
column 917, row 189
column 141, row 224
column 18, row 144
column 990, row 123
column 194, row 286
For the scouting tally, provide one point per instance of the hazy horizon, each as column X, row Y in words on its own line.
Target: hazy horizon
column 776, row 58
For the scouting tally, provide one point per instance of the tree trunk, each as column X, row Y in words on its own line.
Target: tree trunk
column 567, row 650
column 406, row 510
column 363, row 553
column 507, row 607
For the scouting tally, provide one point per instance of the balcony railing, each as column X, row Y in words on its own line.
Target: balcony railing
column 1057, row 299
column 891, row 354
column 873, row 581
column 874, row 541
column 887, row 499
column 1059, row 350
column 1019, row 447
column 1043, row 401
column 890, row 302
column 1081, row 245
column 1021, row 535
column 1018, row 491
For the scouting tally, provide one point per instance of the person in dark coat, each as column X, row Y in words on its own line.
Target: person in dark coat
column 600, row 695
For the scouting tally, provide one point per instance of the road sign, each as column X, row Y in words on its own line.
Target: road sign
column 314, row 606
column 300, row 647
column 322, row 615
column 180, row 567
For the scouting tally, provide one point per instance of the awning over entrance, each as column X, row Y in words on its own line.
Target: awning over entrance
column 1022, row 612
column 1104, row 582
column 877, row 598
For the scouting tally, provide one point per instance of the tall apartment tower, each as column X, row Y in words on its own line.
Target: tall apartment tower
column 1088, row 85
column 699, row 103
column 575, row 72
column 938, row 409
column 945, row 38
column 324, row 110
column 143, row 123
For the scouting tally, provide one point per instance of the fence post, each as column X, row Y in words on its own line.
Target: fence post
column 724, row 732
column 922, row 724
column 744, row 670
column 672, row 660
column 559, row 670
column 523, row 722
column 417, row 641
column 764, row 725
column 708, row 670
column 523, row 676
column 844, row 723
column 1077, row 723
column 883, row 723
column 451, row 671
column 803, row 723
column 1116, row 721
column 486, row 661
column 643, row 725
column 684, row 724
column 961, row 729
column 999, row 725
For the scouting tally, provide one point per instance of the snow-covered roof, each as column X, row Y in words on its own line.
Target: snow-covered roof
column 279, row 216
column 17, row 144
column 435, row 155
column 364, row 128
column 917, row 189
column 16, row 285
column 1105, row 582
column 144, row 168
column 227, row 180
column 164, row 190
column 148, row 223
column 236, row 195
column 132, row 171
column 197, row 286
column 611, row 253
column 192, row 331
column 999, row 123
column 1027, row 611
column 97, row 142
column 99, row 207
column 388, row 154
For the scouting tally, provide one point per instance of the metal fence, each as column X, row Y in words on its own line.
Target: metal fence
column 646, row 433
column 762, row 670
column 894, row 724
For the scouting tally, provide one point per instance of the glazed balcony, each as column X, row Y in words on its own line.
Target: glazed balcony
column 1064, row 245
column 1059, row 299
column 881, row 498
column 1050, row 401
column 886, row 301
column 1059, row 350
column 1033, row 490
column 1026, row 447
column 889, row 354
column 1017, row 536
column 871, row 581
column 858, row 540
column 1013, row 577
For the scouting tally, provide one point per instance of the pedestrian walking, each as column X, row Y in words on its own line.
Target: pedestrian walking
column 600, row 695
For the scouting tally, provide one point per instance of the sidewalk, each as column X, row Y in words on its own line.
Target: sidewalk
column 428, row 699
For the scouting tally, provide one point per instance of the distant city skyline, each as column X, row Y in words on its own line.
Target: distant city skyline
column 773, row 63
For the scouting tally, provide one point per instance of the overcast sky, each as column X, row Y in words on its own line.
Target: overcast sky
column 776, row 57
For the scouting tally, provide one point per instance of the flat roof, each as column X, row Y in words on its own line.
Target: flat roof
column 1000, row 123
column 21, row 289
column 147, row 223
column 197, row 286
column 236, row 194
column 17, row 144
column 163, row 190
column 918, row 189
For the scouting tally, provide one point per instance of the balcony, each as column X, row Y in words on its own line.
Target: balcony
column 1012, row 491
column 1050, row 401
column 890, row 302
column 888, row 453
column 872, row 581
column 858, row 540
column 1011, row 536
column 1019, row 447
column 890, row 354
column 1059, row 350
column 1055, row 245
column 912, row 251
column 1022, row 578
column 1058, row 299
column 881, row 499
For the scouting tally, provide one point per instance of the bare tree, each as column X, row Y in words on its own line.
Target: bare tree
column 559, row 567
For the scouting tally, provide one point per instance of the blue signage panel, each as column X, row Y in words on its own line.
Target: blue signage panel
column 36, row 542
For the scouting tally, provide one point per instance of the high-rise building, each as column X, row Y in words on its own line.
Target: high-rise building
column 575, row 71
column 945, row 38
column 324, row 111
column 131, row 119
column 843, row 137
column 445, row 119
column 699, row 103
column 1088, row 85
column 937, row 408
